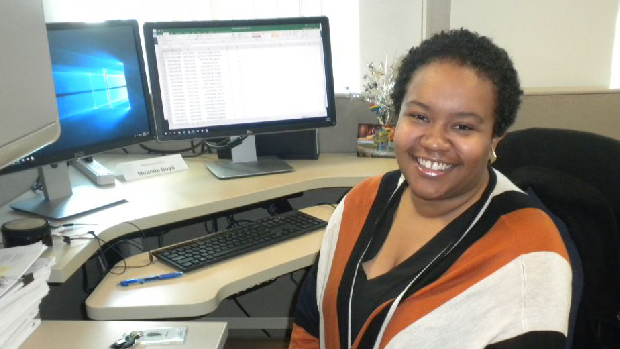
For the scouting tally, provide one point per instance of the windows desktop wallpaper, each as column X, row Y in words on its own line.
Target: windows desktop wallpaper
column 98, row 85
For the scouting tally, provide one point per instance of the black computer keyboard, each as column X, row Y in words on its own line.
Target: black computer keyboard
column 216, row 247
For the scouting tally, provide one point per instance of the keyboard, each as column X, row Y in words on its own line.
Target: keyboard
column 225, row 244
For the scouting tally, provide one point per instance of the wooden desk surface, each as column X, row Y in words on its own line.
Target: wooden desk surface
column 174, row 197
column 199, row 292
column 100, row 334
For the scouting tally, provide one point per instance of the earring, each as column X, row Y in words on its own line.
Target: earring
column 492, row 157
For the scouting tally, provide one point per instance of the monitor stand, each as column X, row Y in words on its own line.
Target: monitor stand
column 60, row 200
column 245, row 163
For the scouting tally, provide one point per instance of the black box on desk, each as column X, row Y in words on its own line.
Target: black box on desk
column 294, row 145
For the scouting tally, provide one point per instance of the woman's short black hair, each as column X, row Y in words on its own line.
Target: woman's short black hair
column 472, row 50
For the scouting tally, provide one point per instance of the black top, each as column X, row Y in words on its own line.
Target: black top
column 369, row 294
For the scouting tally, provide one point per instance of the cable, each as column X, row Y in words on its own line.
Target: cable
column 160, row 237
column 293, row 279
column 101, row 251
column 67, row 225
column 168, row 152
column 248, row 314
column 37, row 185
column 227, row 144
column 151, row 258
column 203, row 145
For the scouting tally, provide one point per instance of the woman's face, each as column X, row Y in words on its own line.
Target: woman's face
column 444, row 134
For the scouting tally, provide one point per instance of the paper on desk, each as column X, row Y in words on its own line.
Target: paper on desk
column 23, row 333
column 16, row 333
column 12, row 306
column 41, row 270
column 15, row 261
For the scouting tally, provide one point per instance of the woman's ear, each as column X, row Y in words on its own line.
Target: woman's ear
column 494, row 142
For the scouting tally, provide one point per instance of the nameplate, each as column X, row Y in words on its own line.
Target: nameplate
column 151, row 167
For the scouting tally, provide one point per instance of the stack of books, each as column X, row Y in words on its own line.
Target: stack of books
column 23, row 284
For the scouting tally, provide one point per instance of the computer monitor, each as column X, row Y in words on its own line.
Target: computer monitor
column 103, row 104
column 29, row 119
column 243, row 77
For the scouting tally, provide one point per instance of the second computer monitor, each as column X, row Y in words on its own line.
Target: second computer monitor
column 225, row 78
column 101, row 91
column 103, row 104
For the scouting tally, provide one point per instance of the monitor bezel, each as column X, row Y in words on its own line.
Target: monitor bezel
column 95, row 148
column 248, row 128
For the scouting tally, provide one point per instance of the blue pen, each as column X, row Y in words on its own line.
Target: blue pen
column 128, row 282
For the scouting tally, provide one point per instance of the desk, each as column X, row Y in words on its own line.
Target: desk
column 100, row 334
column 199, row 292
column 161, row 200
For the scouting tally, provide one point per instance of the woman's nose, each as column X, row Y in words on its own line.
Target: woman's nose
column 435, row 139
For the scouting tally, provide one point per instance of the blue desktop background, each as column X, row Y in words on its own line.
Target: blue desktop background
column 99, row 89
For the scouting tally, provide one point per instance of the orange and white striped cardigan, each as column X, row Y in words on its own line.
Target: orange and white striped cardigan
column 506, row 285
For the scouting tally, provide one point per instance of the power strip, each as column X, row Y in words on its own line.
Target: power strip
column 97, row 173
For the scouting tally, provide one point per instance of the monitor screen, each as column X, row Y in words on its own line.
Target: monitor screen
column 226, row 78
column 101, row 91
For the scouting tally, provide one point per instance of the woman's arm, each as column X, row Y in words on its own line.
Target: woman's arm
column 305, row 333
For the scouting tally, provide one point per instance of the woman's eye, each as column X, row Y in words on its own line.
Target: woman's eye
column 463, row 127
column 419, row 117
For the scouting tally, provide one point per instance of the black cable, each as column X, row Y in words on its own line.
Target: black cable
column 102, row 260
column 293, row 279
column 203, row 145
column 37, row 185
column 213, row 226
column 225, row 145
column 248, row 314
column 67, row 225
column 160, row 238
column 168, row 152
column 117, row 251
column 101, row 252
column 231, row 222
column 151, row 258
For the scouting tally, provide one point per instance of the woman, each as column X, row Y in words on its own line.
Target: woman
column 446, row 252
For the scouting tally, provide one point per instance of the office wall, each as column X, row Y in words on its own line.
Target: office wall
column 554, row 43
column 388, row 29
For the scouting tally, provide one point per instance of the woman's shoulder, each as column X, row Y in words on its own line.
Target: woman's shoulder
column 387, row 181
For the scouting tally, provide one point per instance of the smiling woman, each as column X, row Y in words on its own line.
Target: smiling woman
column 445, row 135
column 445, row 252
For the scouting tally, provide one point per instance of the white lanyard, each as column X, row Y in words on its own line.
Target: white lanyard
column 398, row 299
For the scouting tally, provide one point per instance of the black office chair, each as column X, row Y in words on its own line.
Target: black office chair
column 575, row 175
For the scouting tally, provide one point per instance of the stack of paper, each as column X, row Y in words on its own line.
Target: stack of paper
column 23, row 284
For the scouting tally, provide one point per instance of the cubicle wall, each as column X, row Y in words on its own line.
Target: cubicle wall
column 595, row 111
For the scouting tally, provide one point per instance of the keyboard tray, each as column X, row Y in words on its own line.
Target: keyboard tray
column 225, row 244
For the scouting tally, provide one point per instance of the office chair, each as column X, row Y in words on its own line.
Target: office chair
column 574, row 174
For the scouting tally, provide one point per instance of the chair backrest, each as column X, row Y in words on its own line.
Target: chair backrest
column 573, row 174
column 593, row 158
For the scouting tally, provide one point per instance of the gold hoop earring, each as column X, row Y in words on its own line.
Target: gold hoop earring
column 492, row 157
